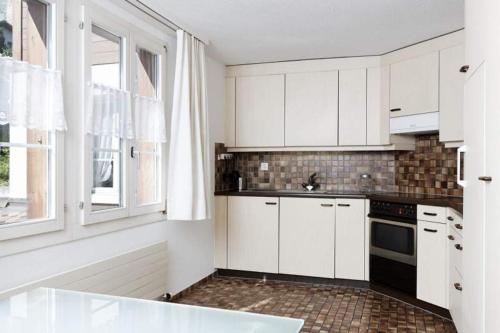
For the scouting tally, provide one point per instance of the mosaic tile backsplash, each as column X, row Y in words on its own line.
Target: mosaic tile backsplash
column 430, row 169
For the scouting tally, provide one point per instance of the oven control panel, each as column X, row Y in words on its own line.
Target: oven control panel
column 393, row 209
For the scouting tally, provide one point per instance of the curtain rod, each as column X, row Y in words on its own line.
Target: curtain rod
column 159, row 17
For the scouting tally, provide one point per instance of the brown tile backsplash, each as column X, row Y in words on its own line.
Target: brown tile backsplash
column 430, row 169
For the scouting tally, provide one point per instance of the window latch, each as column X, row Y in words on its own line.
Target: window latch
column 132, row 152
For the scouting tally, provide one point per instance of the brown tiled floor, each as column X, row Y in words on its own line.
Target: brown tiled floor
column 323, row 308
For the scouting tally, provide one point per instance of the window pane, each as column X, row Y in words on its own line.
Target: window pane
column 24, row 184
column 107, row 171
column 147, row 73
column 24, row 30
column 106, row 57
column 148, row 168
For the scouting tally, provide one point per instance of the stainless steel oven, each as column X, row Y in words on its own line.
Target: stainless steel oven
column 393, row 245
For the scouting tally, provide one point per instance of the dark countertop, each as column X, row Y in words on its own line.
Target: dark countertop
column 455, row 203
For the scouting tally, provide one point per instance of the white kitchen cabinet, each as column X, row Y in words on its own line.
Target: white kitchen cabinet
column 260, row 111
column 350, row 239
column 415, row 85
column 307, row 237
column 220, row 232
column 253, row 233
column 432, row 263
column 377, row 106
column 451, row 94
column 311, row 111
column 352, row 107
column 455, row 303
column 230, row 112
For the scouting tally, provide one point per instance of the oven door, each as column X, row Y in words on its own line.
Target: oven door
column 394, row 240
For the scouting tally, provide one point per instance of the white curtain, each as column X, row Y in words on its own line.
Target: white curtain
column 109, row 113
column 149, row 118
column 188, row 190
column 30, row 96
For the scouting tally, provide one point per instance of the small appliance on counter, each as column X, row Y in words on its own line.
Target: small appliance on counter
column 366, row 183
column 393, row 245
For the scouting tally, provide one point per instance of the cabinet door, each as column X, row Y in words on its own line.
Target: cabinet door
column 230, row 112
column 352, row 107
column 451, row 94
column 377, row 106
column 260, row 111
column 311, row 109
column 307, row 237
column 350, row 239
column 456, row 311
column 220, row 232
column 415, row 85
column 253, row 234
column 432, row 263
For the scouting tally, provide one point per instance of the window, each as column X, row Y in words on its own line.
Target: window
column 107, row 151
column 147, row 154
column 27, row 170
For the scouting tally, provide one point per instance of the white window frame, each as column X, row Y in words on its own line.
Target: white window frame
column 56, row 220
column 96, row 16
column 155, row 47
column 132, row 38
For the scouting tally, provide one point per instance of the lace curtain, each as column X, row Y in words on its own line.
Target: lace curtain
column 149, row 117
column 30, row 96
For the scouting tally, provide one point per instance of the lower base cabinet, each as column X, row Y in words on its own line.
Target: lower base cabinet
column 350, row 239
column 220, row 232
column 307, row 237
column 432, row 264
column 455, row 305
column 253, row 227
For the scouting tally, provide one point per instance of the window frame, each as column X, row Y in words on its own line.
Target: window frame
column 55, row 222
column 132, row 38
column 156, row 47
column 97, row 16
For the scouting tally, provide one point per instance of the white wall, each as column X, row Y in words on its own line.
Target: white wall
column 190, row 244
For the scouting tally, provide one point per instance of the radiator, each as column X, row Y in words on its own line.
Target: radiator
column 141, row 273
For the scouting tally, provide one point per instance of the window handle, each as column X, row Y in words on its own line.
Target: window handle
column 132, row 152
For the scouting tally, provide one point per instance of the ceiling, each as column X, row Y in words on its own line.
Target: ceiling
column 253, row 31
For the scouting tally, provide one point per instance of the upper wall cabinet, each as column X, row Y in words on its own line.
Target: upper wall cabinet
column 230, row 112
column 352, row 107
column 377, row 106
column 311, row 109
column 260, row 111
column 415, row 85
column 451, row 94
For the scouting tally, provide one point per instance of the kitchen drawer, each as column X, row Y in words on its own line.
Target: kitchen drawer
column 455, row 220
column 431, row 214
column 455, row 305
column 455, row 250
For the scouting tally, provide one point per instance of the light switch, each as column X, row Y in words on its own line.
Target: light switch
column 264, row 166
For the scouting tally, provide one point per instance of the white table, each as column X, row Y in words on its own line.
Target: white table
column 46, row 310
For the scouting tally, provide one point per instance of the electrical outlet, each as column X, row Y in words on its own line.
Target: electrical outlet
column 264, row 166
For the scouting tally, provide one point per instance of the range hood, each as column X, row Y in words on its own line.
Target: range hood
column 415, row 124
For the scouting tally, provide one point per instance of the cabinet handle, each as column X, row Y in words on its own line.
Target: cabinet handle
column 430, row 230
column 271, row 203
column 450, row 237
column 396, row 110
column 485, row 178
column 459, row 226
column 450, row 218
column 326, row 205
column 430, row 214
column 344, row 205
column 458, row 286
column 459, row 247
column 132, row 153
column 464, row 69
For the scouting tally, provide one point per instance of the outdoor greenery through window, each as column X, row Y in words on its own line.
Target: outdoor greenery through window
column 26, row 155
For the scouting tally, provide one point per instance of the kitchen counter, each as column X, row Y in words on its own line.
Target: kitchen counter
column 455, row 203
column 58, row 311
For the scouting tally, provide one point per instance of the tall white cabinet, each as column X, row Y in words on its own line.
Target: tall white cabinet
column 260, row 111
column 307, row 237
column 311, row 97
column 352, row 107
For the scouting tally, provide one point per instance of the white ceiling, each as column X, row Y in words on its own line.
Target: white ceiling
column 252, row 31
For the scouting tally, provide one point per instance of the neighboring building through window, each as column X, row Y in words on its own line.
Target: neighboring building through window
column 26, row 155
